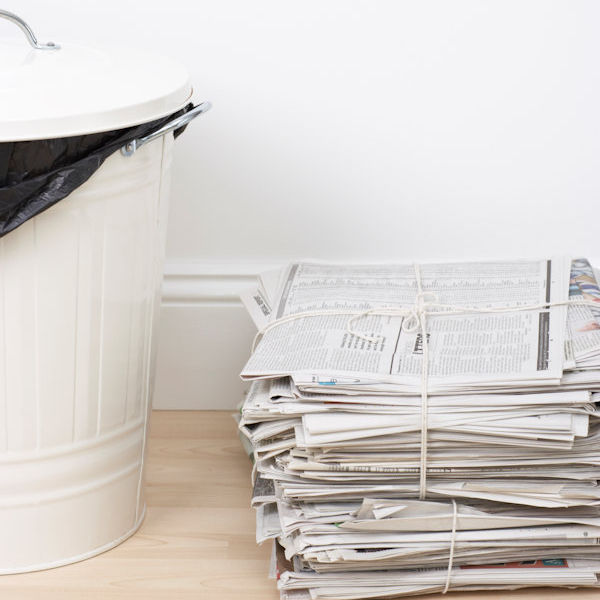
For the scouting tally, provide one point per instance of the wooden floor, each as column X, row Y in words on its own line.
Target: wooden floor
column 198, row 537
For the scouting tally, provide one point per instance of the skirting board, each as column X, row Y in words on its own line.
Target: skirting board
column 204, row 335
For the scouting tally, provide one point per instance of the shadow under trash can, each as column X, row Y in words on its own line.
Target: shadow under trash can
column 85, row 152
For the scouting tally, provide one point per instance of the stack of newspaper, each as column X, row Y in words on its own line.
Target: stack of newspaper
column 423, row 428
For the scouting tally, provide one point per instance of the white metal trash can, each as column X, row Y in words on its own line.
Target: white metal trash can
column 79, row 292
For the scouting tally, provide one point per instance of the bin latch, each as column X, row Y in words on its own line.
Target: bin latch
column 130, row 147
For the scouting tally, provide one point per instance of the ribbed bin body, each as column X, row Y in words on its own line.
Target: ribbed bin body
column 79, row 294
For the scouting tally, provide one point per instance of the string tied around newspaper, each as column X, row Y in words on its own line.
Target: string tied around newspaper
column 426, row 304
column 415, row 321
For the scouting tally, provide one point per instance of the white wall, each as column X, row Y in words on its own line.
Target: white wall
column 347, row 129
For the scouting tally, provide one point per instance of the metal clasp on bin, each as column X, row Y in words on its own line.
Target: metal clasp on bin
column 129, row 148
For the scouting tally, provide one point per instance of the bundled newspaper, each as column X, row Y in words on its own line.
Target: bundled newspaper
column 425, row 428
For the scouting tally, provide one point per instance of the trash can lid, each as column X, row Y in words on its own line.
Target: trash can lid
column 75, row 90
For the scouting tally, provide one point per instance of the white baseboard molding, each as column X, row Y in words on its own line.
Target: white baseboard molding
column 204, row 335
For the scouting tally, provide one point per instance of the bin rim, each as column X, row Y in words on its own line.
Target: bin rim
column 78, row 89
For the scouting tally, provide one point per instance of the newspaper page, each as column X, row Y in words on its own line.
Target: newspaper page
column 466, row 349
column 584, row 322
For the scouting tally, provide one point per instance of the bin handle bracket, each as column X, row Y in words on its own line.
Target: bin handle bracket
column 33, row 41
column 130, row 147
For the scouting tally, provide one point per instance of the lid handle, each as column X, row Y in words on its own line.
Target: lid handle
column 4, row 14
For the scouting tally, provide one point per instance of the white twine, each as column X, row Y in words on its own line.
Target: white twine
column 420, row 311
column 452, row 545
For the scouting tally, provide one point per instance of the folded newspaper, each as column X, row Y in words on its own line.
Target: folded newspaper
column 425, row 428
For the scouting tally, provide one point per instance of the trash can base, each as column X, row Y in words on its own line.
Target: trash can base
column 80, row 557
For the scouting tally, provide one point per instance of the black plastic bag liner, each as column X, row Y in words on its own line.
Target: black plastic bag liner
column 35, row 175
